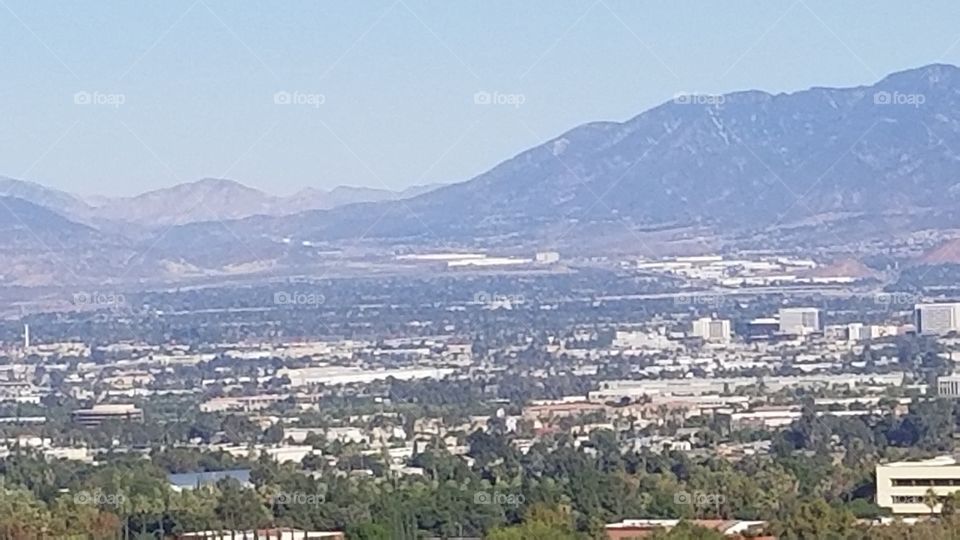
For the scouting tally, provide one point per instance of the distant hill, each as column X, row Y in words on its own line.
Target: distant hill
column 843, row 268
column 52, row 199
column 320, row 199
column 23, row 218
column 946, row 253
column 208, row 199
column 42, row 248
column 218, row 199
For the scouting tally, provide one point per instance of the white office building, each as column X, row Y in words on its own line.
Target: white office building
column 938, row 319
column 902, row 486
column 547, row 257
column 949, row 386
column 799, row 321
column 712, row 330
column 641, row 339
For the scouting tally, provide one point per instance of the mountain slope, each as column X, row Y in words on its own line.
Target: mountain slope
column 744, row 160
column 319, row 199
column 42, row 248
column 24, row 218
column 58, row 201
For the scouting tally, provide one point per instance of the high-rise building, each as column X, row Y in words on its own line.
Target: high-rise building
column 799, row 321
column 713, row 330
column 938, row 319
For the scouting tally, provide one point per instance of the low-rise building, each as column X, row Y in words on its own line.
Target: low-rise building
column 711, row 330
column 101, row 413
column 242, row 403
column 799, row 321
column 949, row 386
column 642, row 528
column 262, row 534
column 903, row 486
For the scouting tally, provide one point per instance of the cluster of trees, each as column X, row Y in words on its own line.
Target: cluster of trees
column 816, row 485
column 819, row 478
column 926, row 429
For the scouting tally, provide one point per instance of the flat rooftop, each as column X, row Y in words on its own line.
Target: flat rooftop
column 939, row 461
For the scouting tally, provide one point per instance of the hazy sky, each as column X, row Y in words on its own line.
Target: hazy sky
column 118, row 97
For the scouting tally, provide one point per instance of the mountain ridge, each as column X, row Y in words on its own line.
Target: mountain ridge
column 206, row 199
column 751, row 143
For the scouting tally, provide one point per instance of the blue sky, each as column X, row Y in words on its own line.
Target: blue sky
column 118, row 97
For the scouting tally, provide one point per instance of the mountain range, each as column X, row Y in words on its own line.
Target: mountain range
column 869, row 159
column 208, row 199
column 742, row 161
